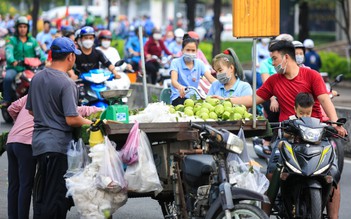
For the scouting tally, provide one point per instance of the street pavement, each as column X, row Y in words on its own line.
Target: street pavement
column 147, row 208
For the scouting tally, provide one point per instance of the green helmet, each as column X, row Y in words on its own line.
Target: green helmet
column 22, row 20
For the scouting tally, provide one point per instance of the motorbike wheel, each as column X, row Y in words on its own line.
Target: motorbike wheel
column 243, row 210
column 316, row 204
column 339, row 152
column 6, row 115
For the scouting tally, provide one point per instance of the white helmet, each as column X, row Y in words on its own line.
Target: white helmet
column 179, row 32
column 285, row 36
column 308, row 43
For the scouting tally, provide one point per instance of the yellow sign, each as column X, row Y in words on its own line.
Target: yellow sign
column 256, row 18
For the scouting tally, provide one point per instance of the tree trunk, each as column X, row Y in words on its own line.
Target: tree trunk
column 35, row 12
column 303, row 22
column 217, row 5
column 190, row 13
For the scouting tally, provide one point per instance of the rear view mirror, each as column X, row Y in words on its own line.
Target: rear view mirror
column 119, row 63
column 339, row 78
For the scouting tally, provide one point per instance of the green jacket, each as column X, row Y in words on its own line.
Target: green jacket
column 16, row 50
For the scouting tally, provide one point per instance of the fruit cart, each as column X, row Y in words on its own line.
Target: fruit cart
column 169, row 138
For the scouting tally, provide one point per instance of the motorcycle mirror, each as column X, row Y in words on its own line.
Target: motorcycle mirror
column 119, row 63
column 339, row 78
column 342, row 121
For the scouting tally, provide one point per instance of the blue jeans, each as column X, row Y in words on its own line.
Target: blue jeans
column 7, row 89
column 21, row 178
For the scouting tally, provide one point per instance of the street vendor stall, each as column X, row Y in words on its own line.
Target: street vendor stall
column 173, row 138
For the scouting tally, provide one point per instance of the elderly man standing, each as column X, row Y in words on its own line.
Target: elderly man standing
column 52, row 100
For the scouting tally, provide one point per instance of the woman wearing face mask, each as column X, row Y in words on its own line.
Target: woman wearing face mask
column 229, row 76
column 154, row 47
column 187, row 71
column 299, row 53
column 91, row 57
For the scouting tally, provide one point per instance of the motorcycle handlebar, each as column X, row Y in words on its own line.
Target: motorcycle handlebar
column 208, row 129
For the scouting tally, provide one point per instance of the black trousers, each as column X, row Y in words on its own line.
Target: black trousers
column 50, row 190
column 271, row 116
column 178, row 101
column 21, row 178
column 152, row 70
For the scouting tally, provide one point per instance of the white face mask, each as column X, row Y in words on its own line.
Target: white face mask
column 157, row 36
column 300, row 59
column 105, row 43
column 88, row 43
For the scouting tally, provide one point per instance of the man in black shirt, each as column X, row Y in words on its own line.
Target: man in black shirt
column 90, row 57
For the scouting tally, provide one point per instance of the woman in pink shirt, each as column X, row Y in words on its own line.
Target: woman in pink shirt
column 21, row 163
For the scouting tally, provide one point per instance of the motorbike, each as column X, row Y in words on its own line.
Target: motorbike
column 264, row 154
column 201, row 180
column 22, row 81
column 306, row 170
column 91, row 83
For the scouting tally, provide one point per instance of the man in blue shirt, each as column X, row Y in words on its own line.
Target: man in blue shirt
column 312, row 59
column 44, row 37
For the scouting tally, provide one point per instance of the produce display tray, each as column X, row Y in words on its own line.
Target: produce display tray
column 181, row 131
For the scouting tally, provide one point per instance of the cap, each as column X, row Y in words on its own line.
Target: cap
column 64, row 45
column 193, row 35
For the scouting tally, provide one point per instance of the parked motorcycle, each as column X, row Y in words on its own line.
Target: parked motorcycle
column 201, row 181
column 91, row 83
column 306, row 171
column 22, row 81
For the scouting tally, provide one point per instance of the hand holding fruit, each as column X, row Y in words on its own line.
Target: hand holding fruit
column 181, row 90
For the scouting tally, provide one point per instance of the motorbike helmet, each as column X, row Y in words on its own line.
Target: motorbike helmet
column 194, row 35
column 298, row 44
column 308, row 43
column 179, row 33
column 77, row 34
column 285, row 36
column 22, row 20
column 105, row 34
column 87, row 30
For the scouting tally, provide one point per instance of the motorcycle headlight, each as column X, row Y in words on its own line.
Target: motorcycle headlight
column 311, row 135
column 234, row 144
column 291, row 167
column 321, row 170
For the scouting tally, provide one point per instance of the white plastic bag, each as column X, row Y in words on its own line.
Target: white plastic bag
column 243, row 172
column 142, row 176
column 77, row 157
column 111, row 175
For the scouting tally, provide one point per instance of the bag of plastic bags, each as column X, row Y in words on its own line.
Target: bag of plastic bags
column 244, row 171
column 111, row 174
column 77, row 157
column 129, row 152
column 90, row 200
column 142, row 175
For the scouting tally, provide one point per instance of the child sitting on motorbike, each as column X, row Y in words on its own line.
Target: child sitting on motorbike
column 229, row 75
column 187, row 71
column 303, row 108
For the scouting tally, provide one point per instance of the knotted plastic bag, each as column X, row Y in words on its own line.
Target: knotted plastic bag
column 77, row 157
column 129, row 152
column 142, row 175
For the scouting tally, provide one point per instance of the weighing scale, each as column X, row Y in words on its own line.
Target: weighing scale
column 117, row 109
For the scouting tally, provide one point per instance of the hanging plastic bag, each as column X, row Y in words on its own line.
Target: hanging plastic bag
column 111, row 175
column 77, row 157
column 142, row 176
column 244, row 171
column 129, row 152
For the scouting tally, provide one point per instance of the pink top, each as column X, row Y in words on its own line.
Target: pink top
column 22, row 129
